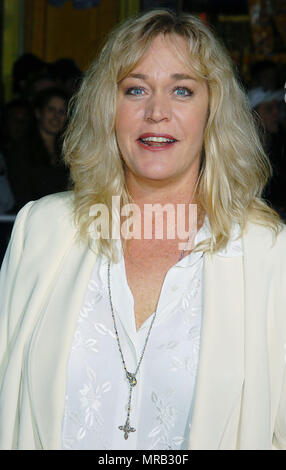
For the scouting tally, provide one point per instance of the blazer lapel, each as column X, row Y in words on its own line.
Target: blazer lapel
column 51, row 342
column 221, row 364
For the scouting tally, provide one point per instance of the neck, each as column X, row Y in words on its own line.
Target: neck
column 174, row 204
column 162, row 192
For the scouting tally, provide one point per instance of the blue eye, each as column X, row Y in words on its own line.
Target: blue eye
column 135, row 91
column 183, row 91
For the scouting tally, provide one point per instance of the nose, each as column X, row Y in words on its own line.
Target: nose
column 157, row 109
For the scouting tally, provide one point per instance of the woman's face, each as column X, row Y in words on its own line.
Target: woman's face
column 52, row 118
column 161, row 115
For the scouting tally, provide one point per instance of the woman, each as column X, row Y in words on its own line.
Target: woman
column 35, row 165
column 139, row 341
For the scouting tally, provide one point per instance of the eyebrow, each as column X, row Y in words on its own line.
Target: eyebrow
column 174, row 76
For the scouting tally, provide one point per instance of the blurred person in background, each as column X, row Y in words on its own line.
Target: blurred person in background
column 25, row 68
column 17, row 120
column 67, row 75
column 6, row 207
column 6, row 196
column 35, row 167
column 267, row 105
column 38, row 83
column 265, row 75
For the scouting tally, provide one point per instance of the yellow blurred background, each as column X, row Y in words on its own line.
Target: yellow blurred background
column 54, row 32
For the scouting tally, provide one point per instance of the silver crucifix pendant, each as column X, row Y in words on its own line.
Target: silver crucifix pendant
column 126, row 428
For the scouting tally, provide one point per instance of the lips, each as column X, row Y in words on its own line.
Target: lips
column 152, row 141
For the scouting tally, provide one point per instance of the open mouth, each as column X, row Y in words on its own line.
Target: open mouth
column 156, row 140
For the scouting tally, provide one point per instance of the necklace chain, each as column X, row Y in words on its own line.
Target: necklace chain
column 131, row 377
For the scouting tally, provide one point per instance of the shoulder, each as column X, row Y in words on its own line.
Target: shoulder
column 59, row 203
column 50, row 208
column 48, row 217
column 264, row 236
column 262, row 243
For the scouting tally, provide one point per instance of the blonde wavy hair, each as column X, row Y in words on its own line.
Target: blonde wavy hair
column 234, row 168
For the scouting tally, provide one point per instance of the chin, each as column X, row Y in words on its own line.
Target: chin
column 156, row 174
column 159, row 176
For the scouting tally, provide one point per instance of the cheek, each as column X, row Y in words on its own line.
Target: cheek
column 201, row 122
column 124, row 117
column 120, row 131
column 127, row 116
column 119, row 121
column 124, row 126
column 194, row 126
column 48, row 115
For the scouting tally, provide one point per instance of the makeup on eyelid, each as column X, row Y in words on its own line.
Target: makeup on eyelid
column 132, row 91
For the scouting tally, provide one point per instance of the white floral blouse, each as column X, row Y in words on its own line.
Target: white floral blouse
column 97, row 388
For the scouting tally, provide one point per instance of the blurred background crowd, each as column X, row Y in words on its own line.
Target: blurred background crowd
column 32, row 124
column 34, row 101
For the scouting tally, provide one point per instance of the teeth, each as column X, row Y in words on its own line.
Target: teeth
column 157, row 139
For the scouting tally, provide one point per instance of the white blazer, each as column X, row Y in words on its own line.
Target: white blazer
column 240, row 398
